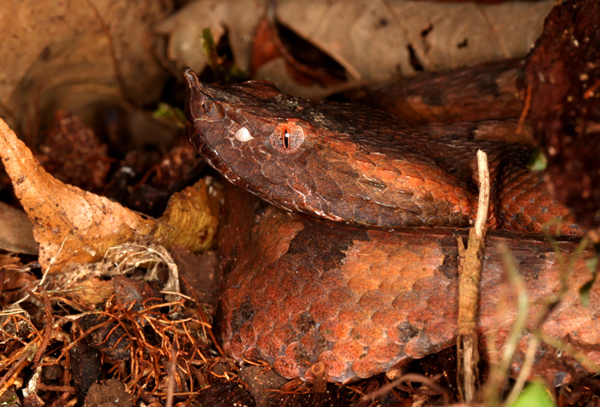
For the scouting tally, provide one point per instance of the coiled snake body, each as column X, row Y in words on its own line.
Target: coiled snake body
column 353, row 165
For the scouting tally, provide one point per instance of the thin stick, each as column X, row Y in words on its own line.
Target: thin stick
column 484, row 195
column 410, row 377
column 468, row 288
column 525, row 111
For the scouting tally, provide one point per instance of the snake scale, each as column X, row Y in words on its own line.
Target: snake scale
column 372, row 174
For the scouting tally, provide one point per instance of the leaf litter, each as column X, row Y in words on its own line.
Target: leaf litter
column 124, row 329
column 83, row 237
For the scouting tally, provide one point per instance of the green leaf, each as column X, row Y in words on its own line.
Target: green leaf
column 536, row 394
column 210, row 49
column 167, row 111
column 538, row 160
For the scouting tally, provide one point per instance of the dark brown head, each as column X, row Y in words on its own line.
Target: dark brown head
column 263, row 140
column 333, row 161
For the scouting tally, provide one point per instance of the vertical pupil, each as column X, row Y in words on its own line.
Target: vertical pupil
column 286, row 139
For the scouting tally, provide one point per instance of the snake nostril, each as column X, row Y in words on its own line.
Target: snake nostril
column 206, row 107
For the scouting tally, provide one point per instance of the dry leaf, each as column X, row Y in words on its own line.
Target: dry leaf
column 238, row 18
column 74, row 226
column 361, row 34
column 16, row 233
column 191, row 217
column 91, row 292
column 76, row 54
column 372, row 40
column 71, row 224
column 15, row 279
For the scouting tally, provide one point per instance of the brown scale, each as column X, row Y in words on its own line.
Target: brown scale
column 361, row 300
column 303, row 291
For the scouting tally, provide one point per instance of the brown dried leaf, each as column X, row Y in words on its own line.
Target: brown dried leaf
column 359, row 35
column 74, row 226
column 91, row 292
column 71, row 225
column 191, row 217
column 76, row 54
column 15, row 279
column 16, row 234
column 238, row 18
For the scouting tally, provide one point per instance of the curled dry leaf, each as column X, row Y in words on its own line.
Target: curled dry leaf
column 190, row 218
column 442, row 36
column 91, row 292
column 238, row 18
column 359, row 35
column 77, row 55
column 73, row 226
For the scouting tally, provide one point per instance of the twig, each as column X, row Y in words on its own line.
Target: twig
column 319, row 378
column 468, row 288
column 575, row 353
column 532, row 346
column 525, row 111
column 45, row 273
column 64, row 389
column 592, row 89
column 12, row 373
column 413, row 377
column 170, row 368
column 48, row 329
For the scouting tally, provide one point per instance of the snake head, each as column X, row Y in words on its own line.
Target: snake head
column 334, row 161
column 259, row 139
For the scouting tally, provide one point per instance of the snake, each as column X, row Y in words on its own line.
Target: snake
column 358, row 165
column 354, row 167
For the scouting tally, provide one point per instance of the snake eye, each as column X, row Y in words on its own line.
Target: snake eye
column 287, row 138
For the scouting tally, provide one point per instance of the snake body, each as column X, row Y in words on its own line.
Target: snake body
column 303, row 291
column 311, row 296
